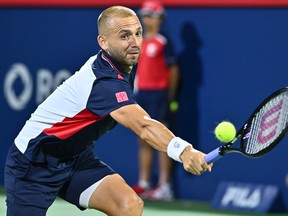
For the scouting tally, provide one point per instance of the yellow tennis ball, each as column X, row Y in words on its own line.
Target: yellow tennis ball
column 174, row 106
column 225, row 132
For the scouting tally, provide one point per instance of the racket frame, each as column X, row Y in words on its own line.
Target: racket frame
column 219, row 152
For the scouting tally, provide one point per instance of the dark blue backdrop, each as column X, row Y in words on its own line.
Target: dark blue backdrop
column 230, row 60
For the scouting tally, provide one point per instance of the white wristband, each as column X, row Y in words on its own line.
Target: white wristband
column 175, row 147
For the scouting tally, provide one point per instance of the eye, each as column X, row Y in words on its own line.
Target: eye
column 124, row 37
column 139, row 34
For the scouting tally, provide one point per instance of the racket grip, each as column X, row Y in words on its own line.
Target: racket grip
column 213, row 156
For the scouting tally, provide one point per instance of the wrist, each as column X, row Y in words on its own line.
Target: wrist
column 175, row 148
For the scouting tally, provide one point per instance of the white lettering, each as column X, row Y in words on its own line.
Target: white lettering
column 229, row 195
column 18, row 71
column 255, row 198
column 44, row 85
column 18, row 96
column 242, row 197
column 61, row 76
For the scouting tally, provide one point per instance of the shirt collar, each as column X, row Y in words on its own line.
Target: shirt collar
column 119, row 69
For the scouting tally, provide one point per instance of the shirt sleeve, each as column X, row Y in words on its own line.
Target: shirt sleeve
column 108, row 95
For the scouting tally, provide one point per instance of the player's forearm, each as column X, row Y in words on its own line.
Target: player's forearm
column 151, row 131
column 137, row 119
column 156, row 134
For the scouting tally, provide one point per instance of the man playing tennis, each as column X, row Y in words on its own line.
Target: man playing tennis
column 53, row 153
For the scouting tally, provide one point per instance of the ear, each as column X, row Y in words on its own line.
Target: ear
column 102, row 42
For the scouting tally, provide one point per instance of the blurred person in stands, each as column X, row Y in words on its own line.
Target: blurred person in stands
column 157, row 80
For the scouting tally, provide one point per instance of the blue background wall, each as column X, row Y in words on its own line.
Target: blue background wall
column 230, row 59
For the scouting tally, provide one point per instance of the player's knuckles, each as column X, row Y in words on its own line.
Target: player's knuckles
column 194, row 164
column 189, row 167
column 204, row 166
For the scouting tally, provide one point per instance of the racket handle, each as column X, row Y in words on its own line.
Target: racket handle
column 213, row 156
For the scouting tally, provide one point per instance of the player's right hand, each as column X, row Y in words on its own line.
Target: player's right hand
column 194, row 161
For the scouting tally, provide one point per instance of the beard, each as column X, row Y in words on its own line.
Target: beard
column 122, row 58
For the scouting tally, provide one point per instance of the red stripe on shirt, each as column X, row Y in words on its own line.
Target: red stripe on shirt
column 70, row 126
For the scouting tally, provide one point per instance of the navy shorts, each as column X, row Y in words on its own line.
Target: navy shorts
column 32, row 187
column 154, row 102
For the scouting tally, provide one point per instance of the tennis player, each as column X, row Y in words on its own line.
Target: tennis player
column 53, row 153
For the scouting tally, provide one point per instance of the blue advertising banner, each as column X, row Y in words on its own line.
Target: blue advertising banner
column 248, row 197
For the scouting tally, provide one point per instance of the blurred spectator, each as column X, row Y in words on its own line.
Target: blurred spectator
column 156, row 82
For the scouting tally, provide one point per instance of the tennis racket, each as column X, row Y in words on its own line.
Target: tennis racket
column 262, row 131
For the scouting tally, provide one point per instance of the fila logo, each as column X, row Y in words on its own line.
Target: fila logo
column 121, row 96
column 243, row 197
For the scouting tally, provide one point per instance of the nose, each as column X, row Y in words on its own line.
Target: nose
column 136, row 41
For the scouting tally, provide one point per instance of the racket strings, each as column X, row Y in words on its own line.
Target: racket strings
column 267, row 126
